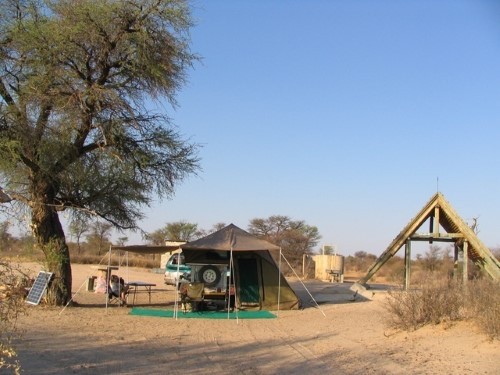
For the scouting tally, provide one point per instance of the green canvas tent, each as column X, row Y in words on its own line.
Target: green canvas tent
column 257, row 279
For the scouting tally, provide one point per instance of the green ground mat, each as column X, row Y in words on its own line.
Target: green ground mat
column 203, row 314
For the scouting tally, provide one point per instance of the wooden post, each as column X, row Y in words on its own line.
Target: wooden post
column 407, row 263
column 304, row 265
column 436, row 222
column 465, row 257
column 455, row 262
column 460, row 263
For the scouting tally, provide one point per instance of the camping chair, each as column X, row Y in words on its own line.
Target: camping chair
column 114, row 295
column 113, row 298
column 192, row 293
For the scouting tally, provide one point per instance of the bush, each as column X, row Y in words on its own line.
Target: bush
column 13, row 283
column 432, row 303
column 439, row 301
column 484, row 306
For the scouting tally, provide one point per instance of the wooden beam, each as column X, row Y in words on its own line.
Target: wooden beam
column 407, row 263
column 398, row 242
column 465, row 258
column 431, row 227
column 450, row 237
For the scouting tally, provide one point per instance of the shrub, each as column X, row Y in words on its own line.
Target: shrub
column 13, row 283
column 432, row 303
column 484, row 306
column 442, row 300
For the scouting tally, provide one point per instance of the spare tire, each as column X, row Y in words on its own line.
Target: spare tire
column 209, row 275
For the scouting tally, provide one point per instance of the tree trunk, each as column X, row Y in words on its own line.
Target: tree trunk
column 50, row 237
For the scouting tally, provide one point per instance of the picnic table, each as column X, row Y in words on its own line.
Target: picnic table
column 135, row 285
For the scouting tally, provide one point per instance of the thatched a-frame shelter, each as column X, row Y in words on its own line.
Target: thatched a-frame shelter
column 441, row 216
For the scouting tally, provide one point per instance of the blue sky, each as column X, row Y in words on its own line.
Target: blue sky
column 345, row 114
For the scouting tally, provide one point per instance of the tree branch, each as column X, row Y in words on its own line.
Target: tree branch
column 6, row 95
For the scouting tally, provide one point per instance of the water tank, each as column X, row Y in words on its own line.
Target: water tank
column 329, row 267
column 337, row 263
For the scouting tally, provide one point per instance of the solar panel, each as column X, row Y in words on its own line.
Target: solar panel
column 38, row 288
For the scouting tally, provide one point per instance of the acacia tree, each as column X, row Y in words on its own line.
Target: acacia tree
column 99, row 236
column 157, row 237
column 295, row 237
column 181, row 231
column 77, row 132
column 217, row 226
column 175, row 231
column 77, row 228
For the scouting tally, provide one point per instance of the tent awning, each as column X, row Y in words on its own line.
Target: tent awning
column 146, row 249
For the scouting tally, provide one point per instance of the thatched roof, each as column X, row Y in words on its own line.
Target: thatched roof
column 440, row 213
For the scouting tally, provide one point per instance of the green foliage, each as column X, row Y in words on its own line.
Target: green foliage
column 157, row 237
column 122, row 240
column 53, row 257
column 328, row 250
column 54, row 261
column 77, row 129
column 180, row 231
column 295, row 237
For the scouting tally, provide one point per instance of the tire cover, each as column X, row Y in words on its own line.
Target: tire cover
column 214, row 271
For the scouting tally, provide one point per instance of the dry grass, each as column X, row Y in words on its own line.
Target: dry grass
column 132, row 261
column 484, row 305
column 443, row 301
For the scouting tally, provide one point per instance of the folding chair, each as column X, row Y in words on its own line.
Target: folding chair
column 192, row 293
column 113, row 298
column 114, row 293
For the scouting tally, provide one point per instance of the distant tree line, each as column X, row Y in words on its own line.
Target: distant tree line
column 295, row 237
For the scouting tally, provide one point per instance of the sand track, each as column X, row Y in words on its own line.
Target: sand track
column 351, row 339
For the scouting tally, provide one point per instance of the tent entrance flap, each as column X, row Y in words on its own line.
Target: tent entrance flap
column 249, row 281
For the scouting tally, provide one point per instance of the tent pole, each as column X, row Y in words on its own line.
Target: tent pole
column 64, row 308
column 235, row 293
column 229, row 286
column 108, row 277
column 307, row 290
column 176, row 304
column 279, row 282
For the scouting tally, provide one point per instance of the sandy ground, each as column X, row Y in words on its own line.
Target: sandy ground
column 340, row 336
